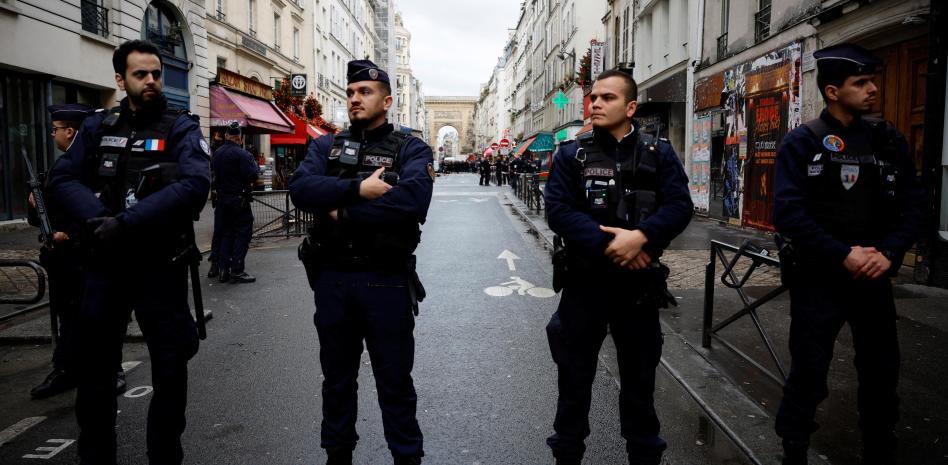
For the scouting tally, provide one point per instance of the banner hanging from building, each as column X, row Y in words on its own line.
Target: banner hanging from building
column 701, row 162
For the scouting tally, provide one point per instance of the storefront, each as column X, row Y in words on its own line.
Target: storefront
column 289, row 150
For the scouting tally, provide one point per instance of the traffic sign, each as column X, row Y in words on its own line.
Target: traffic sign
column 504, row 143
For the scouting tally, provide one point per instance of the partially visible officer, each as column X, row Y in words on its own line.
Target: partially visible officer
column 369, row 188
column 516, row 169
column 616, row 197
column 217, row 139
column 64, row 270
column 848, row 207
column 235, row 171
column 137, row 175
column 484, row 167
column 501, row 171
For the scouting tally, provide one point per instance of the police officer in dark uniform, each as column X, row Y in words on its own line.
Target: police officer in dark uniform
column 137, row 175
column 516, row 169
column 235, row 171
column 617, row 198
column 484, row 167
column 501, row 170
column 848, row 207
column 370, row 188
column 63, row 268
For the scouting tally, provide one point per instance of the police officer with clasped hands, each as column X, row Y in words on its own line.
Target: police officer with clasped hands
column 848, row 207
column 616, row 198
column 136, row 176
column 369, row 188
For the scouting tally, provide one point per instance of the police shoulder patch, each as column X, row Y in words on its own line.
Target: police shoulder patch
column 431, row 171
column 206, row 148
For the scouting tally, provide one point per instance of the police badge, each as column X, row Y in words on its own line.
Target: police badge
column 849, row 174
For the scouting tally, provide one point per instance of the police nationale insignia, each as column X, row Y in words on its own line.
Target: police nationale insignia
column 113, row 141
column 431, row 171
column 814, row 170
column 374, row 74
column 206, row 148
column 849, row 174
column 334, row 153
column 833, row 143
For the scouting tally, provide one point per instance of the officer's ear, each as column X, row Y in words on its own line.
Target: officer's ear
column 630, row 108
column 387, row 102
column 120, row 81
column 831, row 93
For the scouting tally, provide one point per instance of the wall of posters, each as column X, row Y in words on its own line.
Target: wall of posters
column 701, row 162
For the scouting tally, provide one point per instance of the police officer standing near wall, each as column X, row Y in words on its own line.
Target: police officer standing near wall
column 848, row 207
column 617, row 198
column 235, row 171
column 484, row 167
column 516, row 168
column 63, row 267
column 370, row 188
column 137, row 175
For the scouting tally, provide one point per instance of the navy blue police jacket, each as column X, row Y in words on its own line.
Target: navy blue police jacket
column 234, row 168
column 313, row 191
column 181, row 199
column 565, row 190
column 792, row 219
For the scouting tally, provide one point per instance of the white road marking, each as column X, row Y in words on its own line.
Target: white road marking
column 130, row 365
column 50, row 451
column 510, row 257
column 465, row 194
column 19, row 428
column 139, row 391
column 479, row 200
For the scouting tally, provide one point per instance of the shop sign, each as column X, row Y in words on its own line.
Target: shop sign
column 232, row 80
column 298, row 85
column 597, row 57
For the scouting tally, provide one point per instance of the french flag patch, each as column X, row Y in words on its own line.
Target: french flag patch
column 155, row 144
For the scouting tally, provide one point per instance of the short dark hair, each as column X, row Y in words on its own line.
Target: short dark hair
column 632, row 89
column 120, row 57
column 386, row 87
column 829, row 79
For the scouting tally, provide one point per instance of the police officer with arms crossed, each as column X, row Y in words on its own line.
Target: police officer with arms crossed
column 63, row 266
column 616, row 197
column 136, row 175
column 235, row 171
column 848, row 207
column 369, row 188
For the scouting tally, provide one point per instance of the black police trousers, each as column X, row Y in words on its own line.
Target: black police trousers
column 485, row 178
column 158, row 292
column 576, row 332
column 818, row 312
column 66, row 282
column 375, row 307
column 215, row 255
column 236, row 228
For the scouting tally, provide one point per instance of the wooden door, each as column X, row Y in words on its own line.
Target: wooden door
column 902, row 86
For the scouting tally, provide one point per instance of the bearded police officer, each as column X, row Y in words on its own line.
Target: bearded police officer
column 616, row 197
column 369, row 188
column 137, row 175
column 235, row 171
column 848, row 207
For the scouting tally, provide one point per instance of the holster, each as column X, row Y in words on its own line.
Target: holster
column 308, row 253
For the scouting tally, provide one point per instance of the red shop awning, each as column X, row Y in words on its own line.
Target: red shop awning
column 298, row 137
column 585, row 129
column 255, row 115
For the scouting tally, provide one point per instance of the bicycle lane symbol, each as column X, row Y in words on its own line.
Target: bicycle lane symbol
column 521, row 286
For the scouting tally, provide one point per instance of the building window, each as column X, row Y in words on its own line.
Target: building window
column 617, row 43
column 251, row 6
column 762, row 20
column 625, row 35
column 221, row 62
column 220, row 10
column 296, row 42
column 276, row 30
column 95, row 17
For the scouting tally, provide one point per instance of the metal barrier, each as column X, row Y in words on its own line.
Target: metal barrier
column 274, row 215
column 40, row 281
column 759, row 257
column 528, row 190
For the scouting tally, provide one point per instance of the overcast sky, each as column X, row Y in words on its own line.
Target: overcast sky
column 455, row 43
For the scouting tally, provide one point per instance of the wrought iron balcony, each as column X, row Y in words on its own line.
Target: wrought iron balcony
column 762, row 24
column 722, row 46
column 95, row 18
column 221, row 16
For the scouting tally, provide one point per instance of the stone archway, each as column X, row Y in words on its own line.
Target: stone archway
column 456, row 112
column 450, row 138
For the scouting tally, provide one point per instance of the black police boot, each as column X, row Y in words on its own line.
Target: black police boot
column 120, row 384
column 794, row 452
column 225, row 275
column 56, row 382
column 241, row 277
column 339, row 457
column 214, row 272
column 407, row 460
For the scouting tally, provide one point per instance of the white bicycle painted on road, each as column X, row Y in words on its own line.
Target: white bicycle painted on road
column 521, row 286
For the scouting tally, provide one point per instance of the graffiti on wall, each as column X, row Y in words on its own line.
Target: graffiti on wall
column 701, row 162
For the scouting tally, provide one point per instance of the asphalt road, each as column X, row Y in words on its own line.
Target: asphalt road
column 485, row 380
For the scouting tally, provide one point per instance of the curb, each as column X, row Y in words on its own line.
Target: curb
column 745, row 423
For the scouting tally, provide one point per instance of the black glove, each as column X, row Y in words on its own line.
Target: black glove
column 107, row 228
